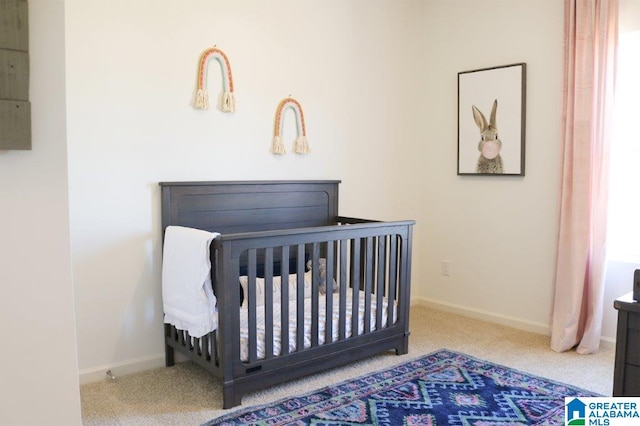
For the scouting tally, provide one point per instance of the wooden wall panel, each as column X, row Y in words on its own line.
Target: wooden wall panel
column 15, row 124
column 14, row 25
column 14, row 75
column 15, row 109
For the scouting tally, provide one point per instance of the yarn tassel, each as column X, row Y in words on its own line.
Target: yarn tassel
column 202, row 99
column 301, row 145
column 228, row 102
column 277, row 147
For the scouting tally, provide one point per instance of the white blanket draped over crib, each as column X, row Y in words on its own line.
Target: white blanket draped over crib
column 187, row 296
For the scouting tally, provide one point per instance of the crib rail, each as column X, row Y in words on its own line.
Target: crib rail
column 367, row 268
column 369, row 263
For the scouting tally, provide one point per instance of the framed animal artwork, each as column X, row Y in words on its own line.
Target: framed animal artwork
column 491, row 120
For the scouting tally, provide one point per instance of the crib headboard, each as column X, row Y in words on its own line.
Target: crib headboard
column 249, row 206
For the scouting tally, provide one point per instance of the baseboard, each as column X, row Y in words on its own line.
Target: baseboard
column 137, row 365
column 487, row 316
column 607, row 343
column 517, row 323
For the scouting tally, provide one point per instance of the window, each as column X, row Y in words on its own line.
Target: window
column 624, row 186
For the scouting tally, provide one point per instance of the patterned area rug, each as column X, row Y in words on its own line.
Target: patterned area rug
column 442, row 388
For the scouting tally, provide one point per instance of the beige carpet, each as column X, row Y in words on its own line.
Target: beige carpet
column 187, row 395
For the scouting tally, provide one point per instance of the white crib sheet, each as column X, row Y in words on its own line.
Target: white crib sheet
column 277, row 341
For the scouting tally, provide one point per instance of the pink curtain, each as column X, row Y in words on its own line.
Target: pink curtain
column 590, row 44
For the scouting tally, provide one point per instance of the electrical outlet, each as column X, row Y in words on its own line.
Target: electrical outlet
column 445, row 267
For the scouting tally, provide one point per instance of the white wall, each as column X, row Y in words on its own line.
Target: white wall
column 38, row 361
column 629, row 15
column 498, row 233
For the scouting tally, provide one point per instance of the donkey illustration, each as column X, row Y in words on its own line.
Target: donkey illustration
column 489, row 146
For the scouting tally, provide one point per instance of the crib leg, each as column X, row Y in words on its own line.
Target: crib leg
column 404, row 346
column 230, row 398
column 169, row 359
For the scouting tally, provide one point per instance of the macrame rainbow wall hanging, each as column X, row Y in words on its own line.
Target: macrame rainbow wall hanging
column 228, row 103
column 301, row 145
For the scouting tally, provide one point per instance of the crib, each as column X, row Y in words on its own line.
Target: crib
column 299, row 288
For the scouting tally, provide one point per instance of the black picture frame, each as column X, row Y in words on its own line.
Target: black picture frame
column 491, row 121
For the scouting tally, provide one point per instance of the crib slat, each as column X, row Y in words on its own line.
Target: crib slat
column 369, row 277
column 315, row 291
column 252, row 334
column 174, row 333
column 268, row 303
column 284, row 306
column 355, row 285
column 342, row 315
column 203, row 348
column 382, row 262
column 300, row 298
column 328, row 327
column 215, row 353
column 393, row 262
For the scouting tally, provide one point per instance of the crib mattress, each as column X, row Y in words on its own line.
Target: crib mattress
column 322, row 316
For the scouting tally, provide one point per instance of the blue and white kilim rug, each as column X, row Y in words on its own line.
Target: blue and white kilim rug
column 442, row 388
